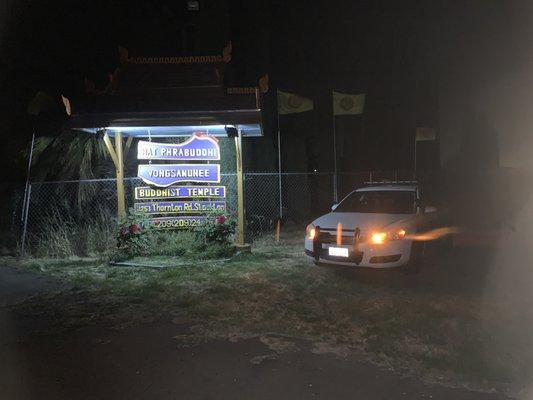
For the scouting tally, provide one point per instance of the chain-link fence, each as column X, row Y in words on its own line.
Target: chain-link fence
column 89, row 207
column 90, row 204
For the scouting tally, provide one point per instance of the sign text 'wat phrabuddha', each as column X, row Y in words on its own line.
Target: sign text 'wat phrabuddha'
column 170, row 213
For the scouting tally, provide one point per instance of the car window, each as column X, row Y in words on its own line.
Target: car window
column 382, row 202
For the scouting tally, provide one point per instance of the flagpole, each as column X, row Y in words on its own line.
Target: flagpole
column 284, row 103
column 416, row 141
column 363, row 126
column 335, row 191
column 279, row 169
column 363, row 140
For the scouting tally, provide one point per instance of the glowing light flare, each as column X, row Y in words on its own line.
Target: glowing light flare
column 434, row 234
column 339, row 234
column 378, row 237
column 311, row 232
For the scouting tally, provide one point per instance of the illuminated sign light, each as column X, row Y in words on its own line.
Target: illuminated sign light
column 176, row 60
column 197, row 148
column 177, row 222
column 164, row 175
column 170, row 207
column 179, row 192
column 193, row 5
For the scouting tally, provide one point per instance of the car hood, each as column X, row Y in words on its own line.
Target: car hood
column 364, row 221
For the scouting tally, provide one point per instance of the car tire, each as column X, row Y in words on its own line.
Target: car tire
column 416, row 259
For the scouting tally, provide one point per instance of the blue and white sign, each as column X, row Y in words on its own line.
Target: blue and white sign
column 199, row 147
column 177, row 222
column 164, row 175
column 185, row 207
column 180, row 192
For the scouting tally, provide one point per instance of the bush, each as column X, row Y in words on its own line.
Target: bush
column 213, row 237
column 63, row 238
column 218, row 228
column 172, row 243
column 215, row 250
column 134, row 235
column 186, row 244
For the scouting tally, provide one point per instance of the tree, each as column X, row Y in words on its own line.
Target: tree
column 70, row 156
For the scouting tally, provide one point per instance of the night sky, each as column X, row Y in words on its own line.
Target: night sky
column 460, row 66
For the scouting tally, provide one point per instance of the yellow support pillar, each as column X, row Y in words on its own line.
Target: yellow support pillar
column 241, row 221
column 117, row 155
column 121, row 199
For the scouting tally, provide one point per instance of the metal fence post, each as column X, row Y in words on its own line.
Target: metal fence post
column 280, row 197
column 28, row 175
column 25, row 216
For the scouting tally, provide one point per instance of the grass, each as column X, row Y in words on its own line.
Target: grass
column 276, row 289
column 61, row 238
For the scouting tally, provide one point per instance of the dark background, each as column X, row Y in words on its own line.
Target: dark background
column 452, row 65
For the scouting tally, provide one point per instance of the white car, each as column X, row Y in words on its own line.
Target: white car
column 377, row 226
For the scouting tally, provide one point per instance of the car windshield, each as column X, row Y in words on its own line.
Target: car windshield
column 379, row 201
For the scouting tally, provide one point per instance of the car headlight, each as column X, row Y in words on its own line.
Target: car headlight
column 382, row 237
column 310, row 231
column 378, row 237
column 399, row 234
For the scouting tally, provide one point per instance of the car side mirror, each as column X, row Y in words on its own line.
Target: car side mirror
column 334, row 206
column 430, row 209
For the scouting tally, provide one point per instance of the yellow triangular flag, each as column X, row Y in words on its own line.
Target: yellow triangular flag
column 66, row 103
column 348, row 104
column 424, row 133
column 290, row 103
column 40, row 102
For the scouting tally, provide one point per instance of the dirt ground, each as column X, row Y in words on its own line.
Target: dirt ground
column 146, row 362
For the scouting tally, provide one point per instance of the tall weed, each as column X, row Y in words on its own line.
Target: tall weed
column 61, row 237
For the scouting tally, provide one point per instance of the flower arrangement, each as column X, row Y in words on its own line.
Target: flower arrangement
column 211, row 239
column 134, row 234
column 218, row 228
